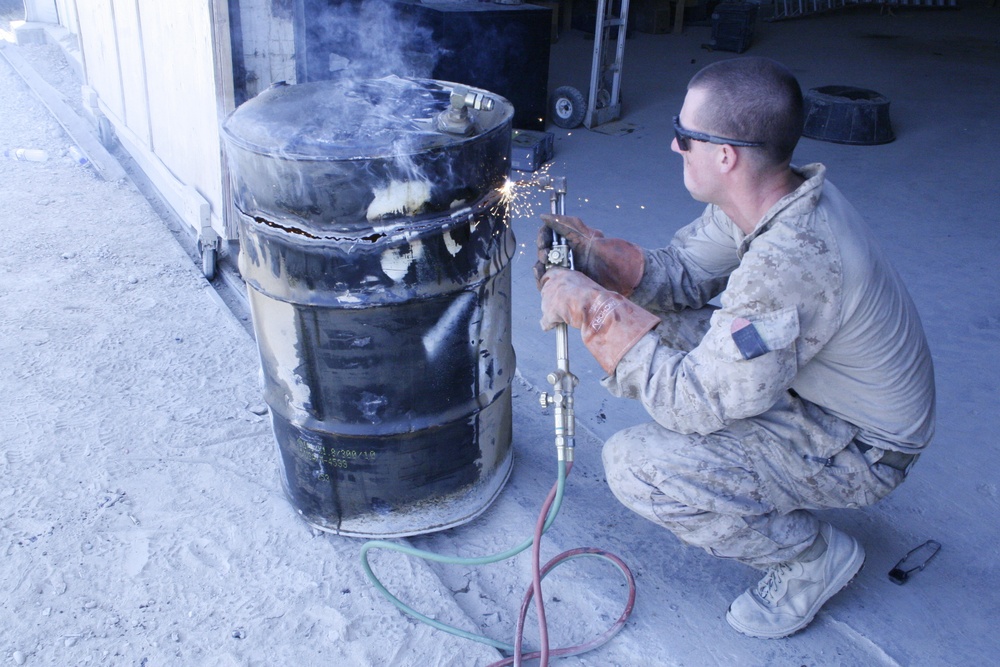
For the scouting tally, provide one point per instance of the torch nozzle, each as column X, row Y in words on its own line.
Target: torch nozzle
column 557, row 183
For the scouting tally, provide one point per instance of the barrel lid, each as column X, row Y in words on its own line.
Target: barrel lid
column 343, row 120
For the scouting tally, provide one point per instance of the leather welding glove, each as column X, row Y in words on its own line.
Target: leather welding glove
column 615, row 264
column 609, row 323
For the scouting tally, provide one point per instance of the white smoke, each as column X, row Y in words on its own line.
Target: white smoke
column 370, row 39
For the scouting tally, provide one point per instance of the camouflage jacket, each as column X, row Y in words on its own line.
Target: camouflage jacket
column 809, row 303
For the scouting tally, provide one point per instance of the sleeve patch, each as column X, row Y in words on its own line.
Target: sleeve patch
column 747, row 339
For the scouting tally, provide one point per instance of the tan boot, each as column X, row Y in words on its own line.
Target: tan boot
column 787, row 598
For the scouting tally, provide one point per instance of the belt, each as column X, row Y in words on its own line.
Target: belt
column 890, row 457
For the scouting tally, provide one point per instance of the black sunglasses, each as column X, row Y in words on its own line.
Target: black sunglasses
column 684, row 136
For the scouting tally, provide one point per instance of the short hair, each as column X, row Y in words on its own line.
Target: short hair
column 753, row 99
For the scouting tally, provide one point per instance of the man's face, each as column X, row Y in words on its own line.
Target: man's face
column 699, row 174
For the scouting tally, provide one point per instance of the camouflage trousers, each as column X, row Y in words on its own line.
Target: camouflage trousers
column 745, row 492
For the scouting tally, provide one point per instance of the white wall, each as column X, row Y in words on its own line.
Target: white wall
column 268, row 43
column 41, row 11
column 161, row 73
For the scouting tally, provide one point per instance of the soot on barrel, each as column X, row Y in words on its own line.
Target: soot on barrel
column 376, row 251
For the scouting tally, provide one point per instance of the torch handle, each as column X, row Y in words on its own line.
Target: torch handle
column 563, row 381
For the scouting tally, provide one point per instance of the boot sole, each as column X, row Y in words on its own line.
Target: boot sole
column 847, row 577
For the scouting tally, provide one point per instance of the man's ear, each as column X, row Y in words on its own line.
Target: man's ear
column 726, row 158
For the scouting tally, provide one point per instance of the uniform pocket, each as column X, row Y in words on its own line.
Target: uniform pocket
column 746, row 363
column 756, row 335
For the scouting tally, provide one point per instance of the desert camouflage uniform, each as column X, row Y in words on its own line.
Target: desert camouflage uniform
column 741, row 448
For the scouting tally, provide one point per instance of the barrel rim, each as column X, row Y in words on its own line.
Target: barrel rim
column 506, row 117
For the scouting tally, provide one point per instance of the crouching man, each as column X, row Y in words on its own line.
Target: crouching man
column 810, row 388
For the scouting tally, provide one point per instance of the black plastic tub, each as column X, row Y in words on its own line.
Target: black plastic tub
column 847, row 115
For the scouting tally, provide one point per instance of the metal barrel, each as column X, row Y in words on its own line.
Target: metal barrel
column 376, row 251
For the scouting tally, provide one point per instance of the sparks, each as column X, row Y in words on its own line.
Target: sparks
column 518, row 196
column 507, row 193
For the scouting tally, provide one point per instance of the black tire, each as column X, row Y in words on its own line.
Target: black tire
column 209, row 261
column 567, row 107
column 106, row 132
column 604, row 93
column 603, row 98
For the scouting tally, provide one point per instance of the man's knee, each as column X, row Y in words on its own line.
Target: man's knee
column 618, row 456
column 615, row 451
column 637, row 483
column 635, row 472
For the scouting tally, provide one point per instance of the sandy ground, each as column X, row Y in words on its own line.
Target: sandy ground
column 141, row 518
